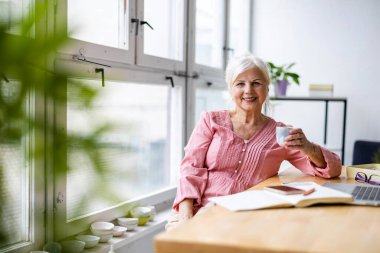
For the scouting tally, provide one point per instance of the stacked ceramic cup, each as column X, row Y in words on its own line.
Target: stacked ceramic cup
column 102, row 229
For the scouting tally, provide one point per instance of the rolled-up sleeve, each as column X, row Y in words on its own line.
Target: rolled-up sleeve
column 303, row 163
column 193, row 173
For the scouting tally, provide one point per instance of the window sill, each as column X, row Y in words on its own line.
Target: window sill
column 130, row 236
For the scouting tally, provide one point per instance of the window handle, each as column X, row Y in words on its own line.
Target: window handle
column 136, row 20
column 195, row 75
column 228, row 49
column 101, row 70
column 146, row 23
column 171, row 80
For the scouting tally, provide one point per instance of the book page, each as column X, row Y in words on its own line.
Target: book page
column 250, row 200
column 260, row 199
column 320, row 195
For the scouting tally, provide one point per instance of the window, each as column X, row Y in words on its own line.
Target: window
column 122, row 31
column 137, row 155
column 15, row 177
column 12, row 12
column 134, row 152
column 210, row 97
column 141, row 151
column 209, row 37
column 20, row 174
column 100, row 22
column 161, row 36
column 166, row 36
column 239, row 27
column 20, row 178
column 98, row 29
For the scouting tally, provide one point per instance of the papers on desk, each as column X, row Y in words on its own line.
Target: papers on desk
column 261, row 199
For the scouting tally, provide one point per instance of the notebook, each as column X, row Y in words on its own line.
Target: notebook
column 363, row 194
column 262, row 199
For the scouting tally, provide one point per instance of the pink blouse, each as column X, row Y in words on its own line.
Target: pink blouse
column 218, row 162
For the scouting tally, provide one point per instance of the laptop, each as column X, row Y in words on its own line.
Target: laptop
column 363, row 194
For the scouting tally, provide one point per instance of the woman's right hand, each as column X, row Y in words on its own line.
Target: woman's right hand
column 185, row 210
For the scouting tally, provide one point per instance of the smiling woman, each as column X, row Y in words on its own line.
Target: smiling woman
column 231, row 151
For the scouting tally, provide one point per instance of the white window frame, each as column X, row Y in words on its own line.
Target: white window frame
column 64, row 228
column 154, row 61
column 204, row 71
column 95, row 52
column 228, row 46
column 33, row 182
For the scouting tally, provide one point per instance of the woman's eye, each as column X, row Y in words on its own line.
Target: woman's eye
column 240, row 84
column 256, row 84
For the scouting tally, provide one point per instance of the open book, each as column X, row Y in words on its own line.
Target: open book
column 260, row 199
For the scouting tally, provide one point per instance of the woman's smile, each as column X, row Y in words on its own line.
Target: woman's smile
column 249, row 99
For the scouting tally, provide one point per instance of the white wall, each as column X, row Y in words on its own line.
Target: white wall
column 331, row 41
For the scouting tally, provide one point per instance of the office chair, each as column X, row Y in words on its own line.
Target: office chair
column 366, row 152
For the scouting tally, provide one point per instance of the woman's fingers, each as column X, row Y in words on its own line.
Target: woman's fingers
column 296, row 138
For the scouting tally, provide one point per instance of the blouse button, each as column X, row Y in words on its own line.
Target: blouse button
column 235, row 171
column 239, row 161
column 243, row 149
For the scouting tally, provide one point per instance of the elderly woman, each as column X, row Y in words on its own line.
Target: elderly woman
column 231, row 151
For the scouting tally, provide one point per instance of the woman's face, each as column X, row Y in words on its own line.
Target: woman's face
column 249, row 90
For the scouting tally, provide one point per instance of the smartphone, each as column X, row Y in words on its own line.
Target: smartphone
column 284, row 189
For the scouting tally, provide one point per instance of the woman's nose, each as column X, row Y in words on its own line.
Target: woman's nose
column 247, row 87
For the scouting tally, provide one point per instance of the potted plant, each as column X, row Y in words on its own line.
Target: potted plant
column 281, row 77
column 24, row 71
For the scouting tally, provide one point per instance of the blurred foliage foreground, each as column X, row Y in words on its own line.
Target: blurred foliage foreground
column 26, row 71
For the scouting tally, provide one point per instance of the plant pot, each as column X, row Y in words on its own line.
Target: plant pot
column 280, row 88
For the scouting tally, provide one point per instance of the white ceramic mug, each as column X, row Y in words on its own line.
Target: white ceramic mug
column 281, row 133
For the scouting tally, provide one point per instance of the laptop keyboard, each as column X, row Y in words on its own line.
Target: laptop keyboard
column 366, row 193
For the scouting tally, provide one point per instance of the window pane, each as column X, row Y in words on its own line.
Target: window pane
column 239, row 26
column 12, row 12
column 209, row 33
column 134, row 151
column 208, row 99
column 166, row 40
column 14, row 194
column 98, row 21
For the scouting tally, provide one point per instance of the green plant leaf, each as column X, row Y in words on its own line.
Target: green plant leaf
column 294, row 77
column 271, row 65
column 289, row 66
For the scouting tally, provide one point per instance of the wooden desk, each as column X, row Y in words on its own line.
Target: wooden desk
column 338, row 228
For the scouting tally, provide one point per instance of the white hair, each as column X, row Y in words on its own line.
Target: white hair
column 241, row 63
